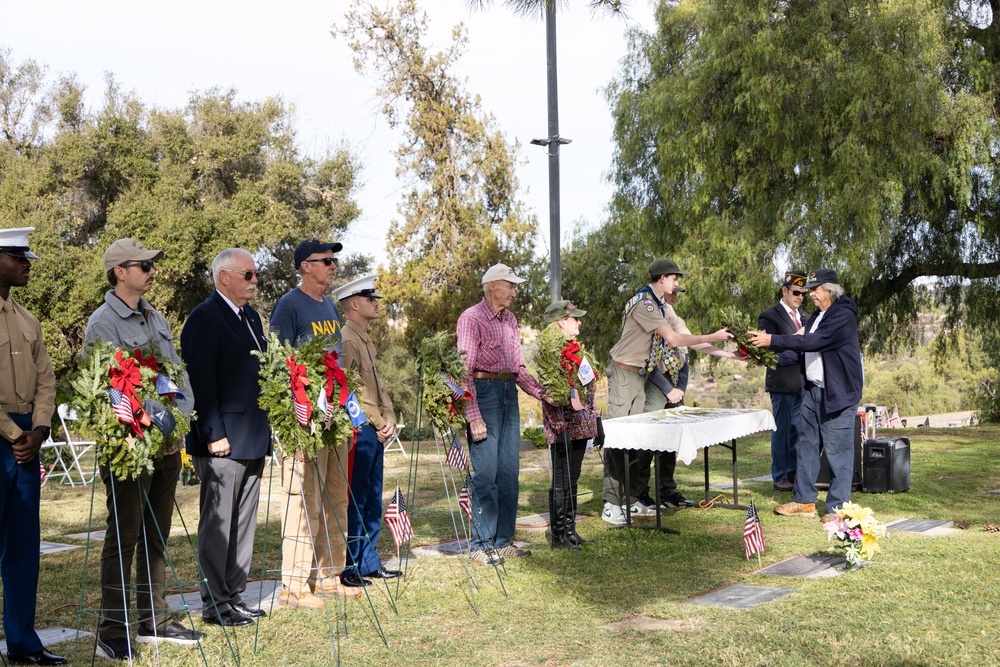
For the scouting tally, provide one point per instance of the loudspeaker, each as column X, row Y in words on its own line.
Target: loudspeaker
column 823, row 479
column 887, row 466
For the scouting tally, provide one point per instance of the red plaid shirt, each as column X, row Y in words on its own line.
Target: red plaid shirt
column 492, row 343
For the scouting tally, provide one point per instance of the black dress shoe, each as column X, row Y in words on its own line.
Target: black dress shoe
column 231, row 618
column 386, row 573
column 249, row 611
column 43, row 657
column 354, row 580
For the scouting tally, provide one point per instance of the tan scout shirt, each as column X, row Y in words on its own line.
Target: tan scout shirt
column 359, row 354
column 634, row 346
column 27, row 383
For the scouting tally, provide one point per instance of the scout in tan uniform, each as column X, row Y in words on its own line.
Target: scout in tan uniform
column 359, row 303
column 647, row 340
column 27, row 394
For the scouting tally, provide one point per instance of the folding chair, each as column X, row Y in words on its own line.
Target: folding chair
column 395, row 443
column 71, row 447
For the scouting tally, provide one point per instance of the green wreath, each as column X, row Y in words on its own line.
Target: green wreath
column 442, row 395
column 738, row 324
column 129, row 439
column 311, row 359
column 555, row 368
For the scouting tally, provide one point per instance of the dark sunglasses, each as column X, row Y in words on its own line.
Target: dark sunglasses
column 145, row 267
column 327, row 261
column 247, row 275
column 798, row 293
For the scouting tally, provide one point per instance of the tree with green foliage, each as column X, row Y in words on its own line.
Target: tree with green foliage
column 859, row 135
column 221, row 172
column 462, row 213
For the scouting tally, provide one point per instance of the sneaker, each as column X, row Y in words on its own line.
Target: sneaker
column 645, row 505
column 614, row 514
column 511, row 551
column 173, row 632
column 675, row 499
column 796, row 509
column 486, row 557
column 114, row 649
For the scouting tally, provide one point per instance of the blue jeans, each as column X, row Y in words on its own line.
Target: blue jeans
column 364, row 512
column 785, row 437
column 835, row 434
column 496, row 465
column 20, row 534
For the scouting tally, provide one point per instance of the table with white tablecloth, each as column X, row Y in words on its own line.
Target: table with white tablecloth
column 686, row 430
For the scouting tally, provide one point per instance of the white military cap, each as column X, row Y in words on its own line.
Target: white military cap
column 14, row 242
column 363, row 286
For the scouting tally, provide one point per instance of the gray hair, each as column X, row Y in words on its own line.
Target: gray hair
column 225, row 259
column 835, row 290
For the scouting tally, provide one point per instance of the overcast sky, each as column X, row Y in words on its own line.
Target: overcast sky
column 164, row 51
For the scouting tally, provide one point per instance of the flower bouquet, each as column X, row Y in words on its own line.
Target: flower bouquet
column 739, row 325
column 442, row 395
column 125, row 401
column 857, row 532
column 558, row 360
column 310, row 400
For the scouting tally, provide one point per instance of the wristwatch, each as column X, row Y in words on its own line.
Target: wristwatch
column 45, row 431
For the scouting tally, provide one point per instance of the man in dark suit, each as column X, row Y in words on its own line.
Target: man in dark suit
column 231, row 437
column 784, row 383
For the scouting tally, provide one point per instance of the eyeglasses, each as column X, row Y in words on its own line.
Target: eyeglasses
column 247, row 275
column 798, row 293
column 145, row 267
column 327, row 261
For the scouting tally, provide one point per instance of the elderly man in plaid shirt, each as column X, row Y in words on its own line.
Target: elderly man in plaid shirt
column 488, row 334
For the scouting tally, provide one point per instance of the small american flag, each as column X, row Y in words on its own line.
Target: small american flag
column 122, row 406
column 753, row 538
column 457, row 458
column 895, row 421
column 398, row 520
column 464, row 501
column 303, row 411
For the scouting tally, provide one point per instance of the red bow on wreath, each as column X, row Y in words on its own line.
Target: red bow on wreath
column 335, row 372
column 148, row 362
column 124, row 379
column 299, row 382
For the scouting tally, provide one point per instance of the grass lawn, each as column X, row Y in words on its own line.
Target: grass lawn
column 923, row 601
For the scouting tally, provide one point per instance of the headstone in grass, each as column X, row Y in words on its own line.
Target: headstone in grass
column 94, row 535
column 922, row 526
column 647, row 623
column 263, row 592
column 995, row 492
column 46, row 548
column 739, row 596
column 802, row 566
column 50, row 636
column 450, row 548
column 762, row 479
column 533, row 522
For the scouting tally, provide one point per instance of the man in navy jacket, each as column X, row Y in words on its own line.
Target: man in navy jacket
column 231, row 436
column 832, row 378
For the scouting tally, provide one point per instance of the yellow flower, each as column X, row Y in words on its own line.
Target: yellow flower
column 869, row 545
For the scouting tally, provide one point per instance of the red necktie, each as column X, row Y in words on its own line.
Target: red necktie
column 795, row 320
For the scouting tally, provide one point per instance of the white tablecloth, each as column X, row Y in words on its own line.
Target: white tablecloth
column 684, row 430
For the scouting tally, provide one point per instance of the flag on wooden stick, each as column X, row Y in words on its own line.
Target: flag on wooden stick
column 398, row 519
column 753, row 538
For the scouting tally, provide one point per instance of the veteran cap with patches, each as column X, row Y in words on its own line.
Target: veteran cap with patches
column 820, row 277
column 794, row 279
column 363, row 286
column 14, row 242
column 562, row 309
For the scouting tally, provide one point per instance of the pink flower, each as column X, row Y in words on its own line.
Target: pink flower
column 855, row 534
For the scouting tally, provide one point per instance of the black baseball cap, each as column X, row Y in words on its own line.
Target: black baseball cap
column 820, row 277
column 306, row 248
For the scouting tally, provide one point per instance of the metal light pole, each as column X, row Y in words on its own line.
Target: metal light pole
column 552, row 144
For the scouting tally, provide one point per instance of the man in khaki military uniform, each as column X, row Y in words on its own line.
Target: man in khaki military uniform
column 27, row 395
column 647, row 339
column 359, row 303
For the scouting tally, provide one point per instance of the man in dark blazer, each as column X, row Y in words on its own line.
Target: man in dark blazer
column 784, row 383
column 230, row 438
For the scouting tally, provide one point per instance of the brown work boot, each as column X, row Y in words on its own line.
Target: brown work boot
column 304, row 600
column 827, row 518
column 332, row 588
column 796, row 509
